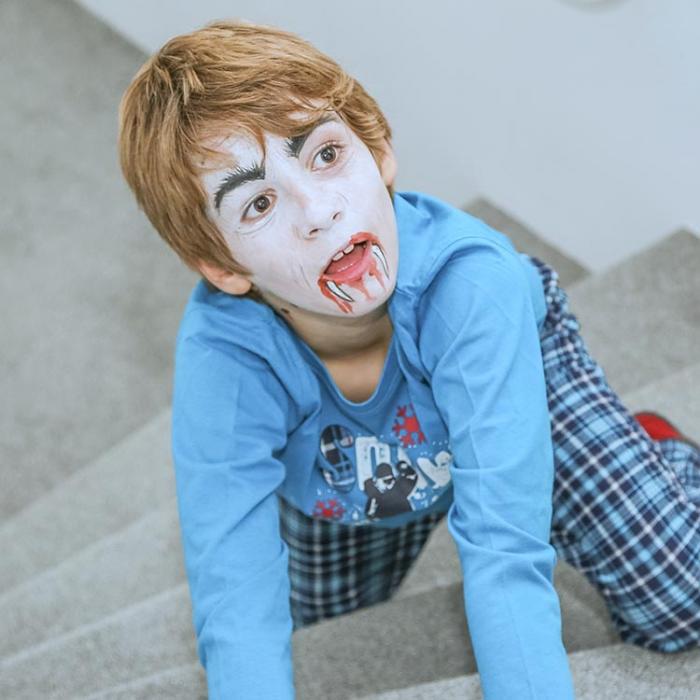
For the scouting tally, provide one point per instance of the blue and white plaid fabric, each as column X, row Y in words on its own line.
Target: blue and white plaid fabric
column 626, row 511
column 626, row 508
column 335, row 568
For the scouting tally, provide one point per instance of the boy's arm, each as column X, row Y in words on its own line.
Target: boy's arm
column 480, row 342
column 229, row 420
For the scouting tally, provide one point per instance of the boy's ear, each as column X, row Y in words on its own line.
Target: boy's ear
column 388, row 165
column 230, row 282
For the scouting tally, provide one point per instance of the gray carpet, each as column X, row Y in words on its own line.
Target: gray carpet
column 93, row 297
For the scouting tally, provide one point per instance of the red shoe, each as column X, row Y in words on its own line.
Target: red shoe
column 659, row 428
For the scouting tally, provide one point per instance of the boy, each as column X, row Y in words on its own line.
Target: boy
column 356, row 364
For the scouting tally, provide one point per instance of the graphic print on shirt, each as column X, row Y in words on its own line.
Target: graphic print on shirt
column 337, row 467
column 367, row 478
column 388, row 494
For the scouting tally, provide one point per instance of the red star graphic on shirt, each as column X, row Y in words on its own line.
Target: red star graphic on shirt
column 407, row 428
column 331, row 509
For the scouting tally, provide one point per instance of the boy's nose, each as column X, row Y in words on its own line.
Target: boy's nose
column 321, row 211
column 335, row 217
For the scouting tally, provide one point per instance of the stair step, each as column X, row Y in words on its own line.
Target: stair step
column 130, row 565
column 186, row 682
column 570, row 271
column 606, row 673
column 140, row 640
column 157, row 634
column 125, row 483
column 641, row 318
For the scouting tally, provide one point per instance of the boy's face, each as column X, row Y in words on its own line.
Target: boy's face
column 286, row 219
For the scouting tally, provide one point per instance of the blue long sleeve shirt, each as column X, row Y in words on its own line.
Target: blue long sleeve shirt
column 459, row 423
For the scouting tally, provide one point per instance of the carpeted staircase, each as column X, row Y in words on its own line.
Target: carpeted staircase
column 93, row 597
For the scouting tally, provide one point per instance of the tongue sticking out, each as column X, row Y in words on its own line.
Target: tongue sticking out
column 354, row 256
column 349, row 273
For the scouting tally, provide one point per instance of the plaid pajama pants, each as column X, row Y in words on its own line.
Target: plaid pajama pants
column 625, row 511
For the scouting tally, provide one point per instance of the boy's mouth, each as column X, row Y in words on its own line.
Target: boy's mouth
column 348, row 266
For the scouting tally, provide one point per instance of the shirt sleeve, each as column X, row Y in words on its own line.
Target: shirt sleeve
column 229, row 422
column 479, row 341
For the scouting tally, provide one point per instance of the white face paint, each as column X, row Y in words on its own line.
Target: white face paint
column 312, row 201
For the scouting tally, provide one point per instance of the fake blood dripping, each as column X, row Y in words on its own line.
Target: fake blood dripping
column 343, row 275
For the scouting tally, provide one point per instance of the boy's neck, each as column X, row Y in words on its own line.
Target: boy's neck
column 333, row 337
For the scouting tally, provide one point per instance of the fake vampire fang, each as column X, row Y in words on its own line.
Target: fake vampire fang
column 379, row 254
column 333, row 286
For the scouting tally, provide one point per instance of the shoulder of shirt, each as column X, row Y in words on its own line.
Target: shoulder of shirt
column 240, row 328
column 221, row 317
column 432, row 232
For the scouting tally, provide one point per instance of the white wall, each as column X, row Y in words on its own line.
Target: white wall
column 583, row 123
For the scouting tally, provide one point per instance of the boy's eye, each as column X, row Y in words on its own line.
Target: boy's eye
column 329, row 153
column 260, row 205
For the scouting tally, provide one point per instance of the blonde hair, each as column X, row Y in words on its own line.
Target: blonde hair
column 230, row 75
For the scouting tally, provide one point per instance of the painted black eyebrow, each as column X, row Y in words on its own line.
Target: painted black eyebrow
column 296, row 143
column 236, row 178
column 256, row 171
